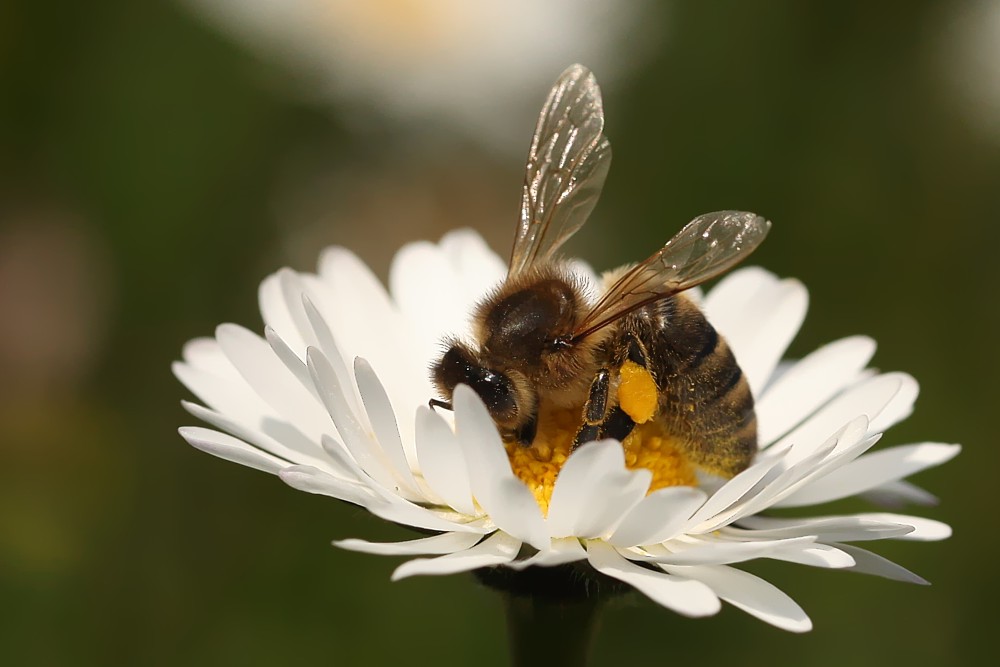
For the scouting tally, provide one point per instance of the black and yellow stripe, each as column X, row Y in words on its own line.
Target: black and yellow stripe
column 705, row 399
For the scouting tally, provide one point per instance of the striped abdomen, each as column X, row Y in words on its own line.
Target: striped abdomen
column 705, row 401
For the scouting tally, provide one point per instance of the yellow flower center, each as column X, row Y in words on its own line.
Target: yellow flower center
column 648, row 446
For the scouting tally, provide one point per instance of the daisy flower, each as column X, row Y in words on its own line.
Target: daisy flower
column 333, row 399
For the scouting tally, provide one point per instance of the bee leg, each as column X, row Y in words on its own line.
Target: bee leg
column 636, row 352
column 436, row 403
column 618, row 423
column 525, row 433
column 595, row 408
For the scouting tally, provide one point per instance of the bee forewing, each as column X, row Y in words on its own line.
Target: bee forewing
column 708, row 246
column 567, row 164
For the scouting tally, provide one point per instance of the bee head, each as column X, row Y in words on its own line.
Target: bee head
column 509, row 397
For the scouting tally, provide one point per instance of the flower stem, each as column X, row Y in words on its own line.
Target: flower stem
column 545, row 631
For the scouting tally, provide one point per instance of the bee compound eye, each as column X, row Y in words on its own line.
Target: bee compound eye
column 497, row 393
column 495, row 389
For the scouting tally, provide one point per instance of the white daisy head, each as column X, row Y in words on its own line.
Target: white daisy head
column 333, row 399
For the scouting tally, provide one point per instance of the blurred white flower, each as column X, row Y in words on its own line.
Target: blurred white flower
column 333, row 400
column 971, row 51
column 476, row 65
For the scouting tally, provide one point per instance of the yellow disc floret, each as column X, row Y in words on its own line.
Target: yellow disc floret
column 648, row 446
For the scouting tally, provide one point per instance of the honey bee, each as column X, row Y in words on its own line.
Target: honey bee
column 538, row 340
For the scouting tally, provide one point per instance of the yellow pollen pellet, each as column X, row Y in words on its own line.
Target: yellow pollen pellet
column 637, row 394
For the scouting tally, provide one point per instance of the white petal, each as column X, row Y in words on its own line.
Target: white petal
column 924, row 530
column 751, row 594
column 353, row 290
column 901, row 405
column 780, row 483
column 355, row 437
column 484, row 451
column 868, row 398
column 274, row 311
column 314, row 480
column 376, row 500
column 510, row 503
column 280, row 297
column 228, row 395
column 721, row 552
column 342, row 460
column 399, row 509
column 231, row 449
column 849, row 528
column 516, row 507
column 442, row 462
column 294, row 291
column 265, row 373
column 758, row 315
column 594, row 490
column 292, row 361
column 775, row 327
column 383, row 421
column 206, row 355
column 498, row 549
column 481, row 269
column 867, row 562
column 328, row 346
column 897, row 494
column 831, row 447
column 814, row 555
column 846, row 446
column 809, row 384
column 563, row 550
column 289, row 442
column 366, row 324
column 732, row 491
column 430, row 295
column 445, row 543
column 868, row 472
column 685, row 596
column 725, row 303
column 802, row 551
column 301, row 453
column 658, row 517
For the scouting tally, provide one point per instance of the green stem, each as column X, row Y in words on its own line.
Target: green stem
column 550, row 632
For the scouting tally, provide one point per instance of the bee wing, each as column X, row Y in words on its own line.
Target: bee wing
column 707, row 246
column 567, row 164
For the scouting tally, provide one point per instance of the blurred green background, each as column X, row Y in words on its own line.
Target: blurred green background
column 153, row 170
